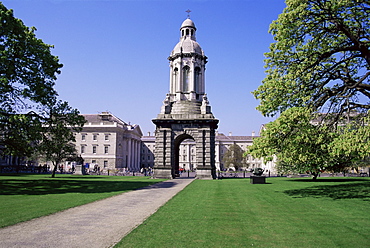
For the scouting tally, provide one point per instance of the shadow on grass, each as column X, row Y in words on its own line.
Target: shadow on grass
column 335, row 192
column 330, row 179
column 61, row 186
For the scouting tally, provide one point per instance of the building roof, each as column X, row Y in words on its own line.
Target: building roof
column 223, row 137
column 187, row 43
column 188, row 23
column 104, row 117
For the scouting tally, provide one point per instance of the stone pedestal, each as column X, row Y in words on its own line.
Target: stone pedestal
column 258, row 180
column 162, row 173
column 79, row 170
column 205, row 174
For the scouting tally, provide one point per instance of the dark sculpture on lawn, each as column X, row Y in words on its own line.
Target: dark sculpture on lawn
column 258, row 172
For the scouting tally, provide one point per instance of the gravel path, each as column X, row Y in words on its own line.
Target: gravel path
column 99, row 224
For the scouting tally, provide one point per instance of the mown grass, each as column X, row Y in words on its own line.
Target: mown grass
column 27, row 196
column 332, row 212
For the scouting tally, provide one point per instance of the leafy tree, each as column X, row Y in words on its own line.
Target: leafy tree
column 300, row 146
column 353, row 140
column 58, row 134
column 320, row 61
column 321, row 58
column 27, row 77
column 234, row 157
column 19, row 133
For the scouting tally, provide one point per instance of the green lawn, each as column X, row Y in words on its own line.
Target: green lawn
column 27, row 196
column 332, row 212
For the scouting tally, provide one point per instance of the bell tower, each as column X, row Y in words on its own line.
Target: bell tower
column 185, row 113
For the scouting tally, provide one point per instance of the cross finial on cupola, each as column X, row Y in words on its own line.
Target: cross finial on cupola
column 188, row 11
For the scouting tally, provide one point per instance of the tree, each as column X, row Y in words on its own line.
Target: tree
column 300, row 146
column 27, row 77
column 319, row 62
column 234, row 157
column 19, row 133
column 321, row 58
column 58, row 133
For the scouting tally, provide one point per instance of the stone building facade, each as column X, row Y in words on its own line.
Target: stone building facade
column 108, row 143
column 188, row 152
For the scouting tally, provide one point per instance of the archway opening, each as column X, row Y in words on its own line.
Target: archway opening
column 185, row 155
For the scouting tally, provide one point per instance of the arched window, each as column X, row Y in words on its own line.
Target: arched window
column 174, row 79
column 197, row 79
column 186, row 78
column 187, row 31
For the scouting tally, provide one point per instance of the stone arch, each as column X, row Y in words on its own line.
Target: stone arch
column 177, row 142
column 169, row 135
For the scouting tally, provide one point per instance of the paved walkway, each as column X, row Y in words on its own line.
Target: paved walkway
column 99, row 224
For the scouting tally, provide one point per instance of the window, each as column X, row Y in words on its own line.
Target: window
column 95, row 137
column 174, row 80
column 94, row 149
column 197, row 79
column 105, row 163
column 186, row 78
column 106, row 137
column 148, row 157
column 106, row 149
column 83, row 136
column 82, row 149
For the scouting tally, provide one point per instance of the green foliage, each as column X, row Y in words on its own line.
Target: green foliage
column 353, row 141
column 19, row 133
column 29, row 108
column 321, row 58
column 27, row 68
column 233, row 157
column 58, row 133
column 27, row 77
column 319, row 62
column 299, row 145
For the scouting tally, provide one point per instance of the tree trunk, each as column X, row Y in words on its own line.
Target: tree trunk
column 314, row 175
column 54, row 170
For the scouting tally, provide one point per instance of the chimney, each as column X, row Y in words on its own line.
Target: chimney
column 230, row 133
column 253, row 133
column 148, row 133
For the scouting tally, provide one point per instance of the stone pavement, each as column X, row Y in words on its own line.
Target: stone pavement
column 99, row 224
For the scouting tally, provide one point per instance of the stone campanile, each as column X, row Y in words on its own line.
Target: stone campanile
column 185, row 113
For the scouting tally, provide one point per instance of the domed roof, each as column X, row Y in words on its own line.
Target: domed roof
column 187, row 43
column 188, row 23
column 187, row 46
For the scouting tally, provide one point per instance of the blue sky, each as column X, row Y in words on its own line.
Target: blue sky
column 115, row 53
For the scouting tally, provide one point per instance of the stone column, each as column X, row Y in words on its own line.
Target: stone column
column 138, row 148
column 129, row 154
column 163, row 153
column 206, row 156
column 133, row 154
